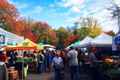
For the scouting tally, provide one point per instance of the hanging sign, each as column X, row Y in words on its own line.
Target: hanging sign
column 2, row 39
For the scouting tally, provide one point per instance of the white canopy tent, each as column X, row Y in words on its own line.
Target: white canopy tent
column 102, row 39
column 86, row 41
column 10, row 38
column 74, row 44
column 48, row 46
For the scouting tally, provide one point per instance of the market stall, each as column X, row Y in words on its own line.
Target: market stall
column 107, row 64
column 85, row 42
column 9, row 38
column 102, row 39
column 24, row 49
column 24, row 52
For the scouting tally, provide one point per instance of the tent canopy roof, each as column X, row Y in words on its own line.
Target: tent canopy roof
column 10, row 38
column 27, row 43
column 86, row 40
column 102, row 39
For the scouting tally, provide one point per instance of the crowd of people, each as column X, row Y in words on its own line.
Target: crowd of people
column 57, row 61
column 62, row 61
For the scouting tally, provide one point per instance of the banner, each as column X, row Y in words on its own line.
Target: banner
column 2, row 39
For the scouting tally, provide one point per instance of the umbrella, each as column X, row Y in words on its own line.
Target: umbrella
column 48, row 46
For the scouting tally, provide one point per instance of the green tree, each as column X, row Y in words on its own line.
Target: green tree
column 5, row 25
column 95, row 31
column 87, row 27
column 62, row 34
column 83, row 32
column 94, row 28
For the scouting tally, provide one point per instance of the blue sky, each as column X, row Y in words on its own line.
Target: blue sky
column 65, row 12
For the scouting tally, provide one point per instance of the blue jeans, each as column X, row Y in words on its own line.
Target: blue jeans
column 74, row 71
column 40, row 67
column 57, row 73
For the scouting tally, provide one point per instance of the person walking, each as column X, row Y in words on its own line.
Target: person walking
column 40, row 62
column 73, row 64
column 58, row 66
column 95, row 72
column 46, row 61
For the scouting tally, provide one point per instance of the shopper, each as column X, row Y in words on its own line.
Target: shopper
column 73, row 63
column 40, row 59
column 58, row 66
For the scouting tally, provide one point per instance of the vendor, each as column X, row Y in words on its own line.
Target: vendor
column 92, row 56
column 3, row 56
column 12, row 58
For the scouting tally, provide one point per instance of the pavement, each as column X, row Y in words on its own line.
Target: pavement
column 43, row 76
column 50, row 76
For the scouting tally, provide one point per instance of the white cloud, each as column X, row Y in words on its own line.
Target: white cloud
column 98, row 10
column 37, row 10
column 72, row 19
column 19, row 5
column 73, row 5
column 117, row 2
column 75, row 9
column 110, row 25
column 100, row 13
column 104, row 17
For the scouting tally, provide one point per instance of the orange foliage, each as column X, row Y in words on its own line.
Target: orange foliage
column 53, row 36
column 31, row 36
column 42, row 29
column 9, row 14
column 71, row 39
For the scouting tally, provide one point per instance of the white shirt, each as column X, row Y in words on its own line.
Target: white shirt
column 73, row 56
column 57, row 61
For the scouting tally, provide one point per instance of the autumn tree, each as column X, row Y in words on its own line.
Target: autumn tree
column 85, row 22
column 87, row 27
column 36, row 31
column 8, row 15
column 95, row 30
column 44, row 32
column 11, row 21
column 83, row 32
column 71, row 39
column 62, row 34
